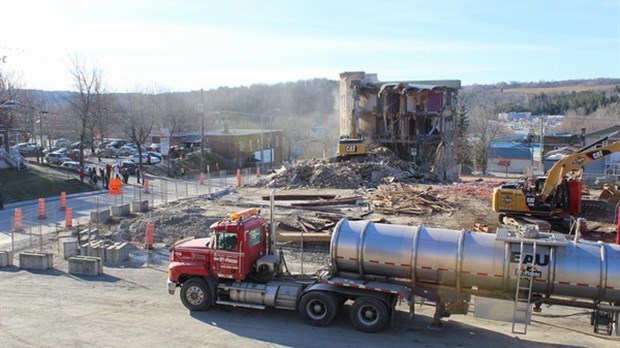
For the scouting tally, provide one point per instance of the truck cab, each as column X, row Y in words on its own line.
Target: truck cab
column 230, row 251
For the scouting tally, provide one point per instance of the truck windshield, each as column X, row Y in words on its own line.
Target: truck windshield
column 227, row 241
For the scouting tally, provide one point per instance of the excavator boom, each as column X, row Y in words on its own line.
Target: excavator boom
column 576, row 161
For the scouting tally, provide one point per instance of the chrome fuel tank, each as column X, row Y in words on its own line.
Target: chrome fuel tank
column 466, row 260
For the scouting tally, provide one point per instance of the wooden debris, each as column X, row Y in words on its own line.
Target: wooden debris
column 299, row 197
column 480, row 227
column 397, row 198
column 336, row 201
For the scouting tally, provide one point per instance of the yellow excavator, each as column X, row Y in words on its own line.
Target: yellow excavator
column 558, row 193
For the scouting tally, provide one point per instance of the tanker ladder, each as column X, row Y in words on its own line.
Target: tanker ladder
column 525, row 278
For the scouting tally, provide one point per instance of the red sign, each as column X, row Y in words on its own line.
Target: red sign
column 115, row 187
column 504, row 163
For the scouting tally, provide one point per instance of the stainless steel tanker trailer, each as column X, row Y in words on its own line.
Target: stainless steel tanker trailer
column 374, row 265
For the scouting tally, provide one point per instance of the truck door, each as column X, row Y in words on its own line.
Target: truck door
column 256, row 247
column 226, row 258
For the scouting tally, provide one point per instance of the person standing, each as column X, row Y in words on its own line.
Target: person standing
column 138, row 175
column 1, row 201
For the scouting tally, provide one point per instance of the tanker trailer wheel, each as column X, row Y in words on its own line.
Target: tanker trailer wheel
column 318, row 308
column 196, row 295
column 369, row 314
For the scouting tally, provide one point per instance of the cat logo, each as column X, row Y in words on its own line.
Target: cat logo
column 507, row 199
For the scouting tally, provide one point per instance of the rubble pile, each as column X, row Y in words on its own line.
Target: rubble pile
column 379, row 166
column 178, row 221
column 409, row 199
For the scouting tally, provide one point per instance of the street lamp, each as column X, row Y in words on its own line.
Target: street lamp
column 202, row 136
column 41, row 113
column 262, row 148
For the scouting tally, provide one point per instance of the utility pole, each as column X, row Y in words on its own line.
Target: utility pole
column 202, row 127
column 542, row 145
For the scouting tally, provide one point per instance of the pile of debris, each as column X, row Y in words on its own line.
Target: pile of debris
column 379, row 166
column 179, row 220
column 409, row 199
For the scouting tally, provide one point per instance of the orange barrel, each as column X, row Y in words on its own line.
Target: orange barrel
column 202, row 178
column 149, row 236
column 63, row 201
column 42, row 208
column 146, row 186
column 69, row 218
column 18, row 220
column 258, row 172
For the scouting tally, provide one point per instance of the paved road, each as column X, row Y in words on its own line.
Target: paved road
column 161, row 191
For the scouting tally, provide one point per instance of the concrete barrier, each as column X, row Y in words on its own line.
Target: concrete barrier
column 116, row 253
column 36, row 261
column 95, row 248
column 103, row 216
column 140, row 206
column 87, row 235
column 85, row 265
column 6, row 258
column 121, row 210
column 68, row 247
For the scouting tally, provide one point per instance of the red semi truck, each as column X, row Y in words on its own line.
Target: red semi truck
column 375, row 265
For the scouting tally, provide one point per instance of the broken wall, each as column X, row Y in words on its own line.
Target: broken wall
column 415, row 119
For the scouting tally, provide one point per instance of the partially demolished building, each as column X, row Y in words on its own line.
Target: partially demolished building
column 415, row 119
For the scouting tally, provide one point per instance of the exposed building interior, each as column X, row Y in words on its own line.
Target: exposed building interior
column 415, row 119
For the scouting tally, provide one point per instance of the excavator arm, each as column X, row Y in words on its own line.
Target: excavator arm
column 575, row 162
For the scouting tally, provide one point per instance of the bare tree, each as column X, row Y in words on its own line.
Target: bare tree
column 10, row 84
column 139, row 112
column 88, row 84
column 485, row 128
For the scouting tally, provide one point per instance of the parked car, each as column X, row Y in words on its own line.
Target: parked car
column 109, row 152
column 130, row 166
column 127, row 150
column 76, row 145
column 25, row 148
column 73, row 154
column 155, row 147
column 71, row 166
column 154, row 154
column 135, row 158
column 55, row 158
column 62, row 142
column 117, row 144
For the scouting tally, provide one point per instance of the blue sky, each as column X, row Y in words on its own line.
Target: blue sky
column 188, row 45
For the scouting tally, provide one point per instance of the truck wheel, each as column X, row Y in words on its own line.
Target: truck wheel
column 369, row 314
column 196, row 295
column 318, row 308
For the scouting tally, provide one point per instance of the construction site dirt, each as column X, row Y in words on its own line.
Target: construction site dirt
column 129, row 305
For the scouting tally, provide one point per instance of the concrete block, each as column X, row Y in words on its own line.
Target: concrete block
column 140, row 206
column 121, row 210
column 85, row 265
column 36, row 261
column 116, row 253
column 87, row 235
column 68, row 247
column 103, row 216
column 6, row 258
column 95, row 248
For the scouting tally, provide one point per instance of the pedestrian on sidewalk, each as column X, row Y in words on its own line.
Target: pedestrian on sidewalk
column 1, row 201
column 138, row 175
